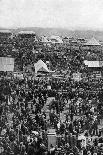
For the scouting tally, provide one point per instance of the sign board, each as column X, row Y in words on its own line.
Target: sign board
column 6, row 64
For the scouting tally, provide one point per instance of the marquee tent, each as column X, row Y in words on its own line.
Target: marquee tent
column 40, row 66
column 93, row 64
column 92, row 42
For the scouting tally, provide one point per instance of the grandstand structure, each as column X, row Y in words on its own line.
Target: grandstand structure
column 25, row 39
column 27, row 34
column 93, row 46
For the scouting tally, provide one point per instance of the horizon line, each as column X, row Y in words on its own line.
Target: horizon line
column 65, row 28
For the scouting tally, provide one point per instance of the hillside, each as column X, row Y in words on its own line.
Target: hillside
column 64, row 32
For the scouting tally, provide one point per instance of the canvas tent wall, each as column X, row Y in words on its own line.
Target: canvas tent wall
column 40, row 66
column 93, row 64
column 6, row 64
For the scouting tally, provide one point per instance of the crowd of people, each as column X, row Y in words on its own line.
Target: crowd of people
column 27, row 112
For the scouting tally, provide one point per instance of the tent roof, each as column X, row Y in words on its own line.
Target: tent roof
column 45, row 39
column 92, row 63
column 41, row 67
column 92, row 42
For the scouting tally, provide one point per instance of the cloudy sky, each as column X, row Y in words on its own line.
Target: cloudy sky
column 52, row 13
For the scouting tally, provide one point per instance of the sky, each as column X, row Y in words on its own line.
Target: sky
column 70, row 14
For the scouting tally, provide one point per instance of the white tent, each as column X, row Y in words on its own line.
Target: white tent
column 92, row 42
column 56, row 39
column 40, row 66
column 92, row 63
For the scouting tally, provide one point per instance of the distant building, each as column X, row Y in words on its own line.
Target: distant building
column 92, row 49
column 92, row 42
column 56, row 39
column 94, row 69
